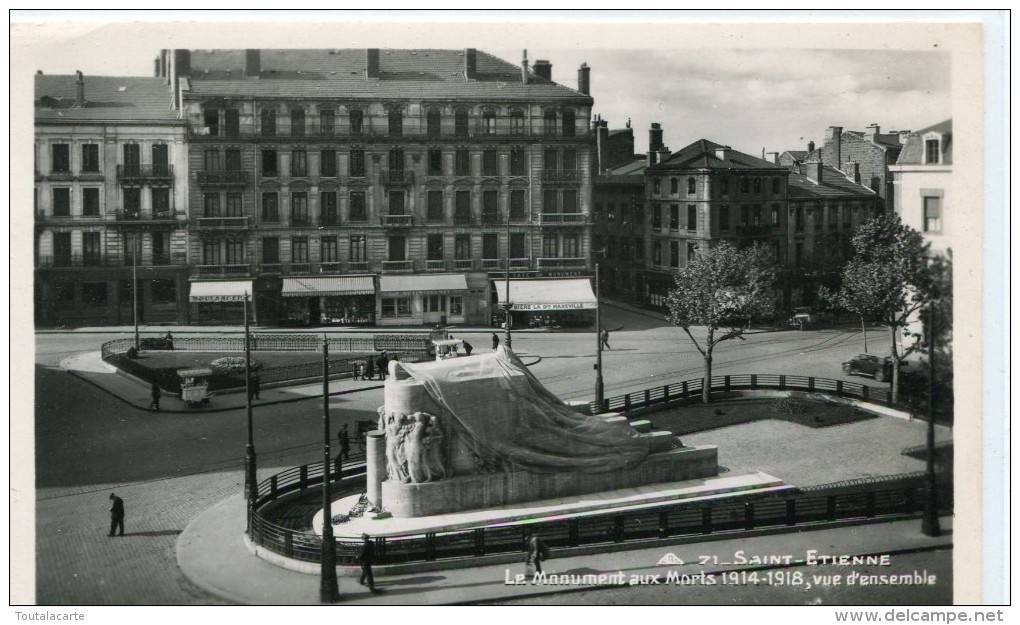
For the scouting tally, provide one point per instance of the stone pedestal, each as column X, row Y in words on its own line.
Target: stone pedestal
column 375, row 466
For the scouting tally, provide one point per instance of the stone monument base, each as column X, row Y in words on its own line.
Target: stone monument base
column 487, row 490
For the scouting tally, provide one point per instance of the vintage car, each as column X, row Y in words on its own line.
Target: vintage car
column 867, row 364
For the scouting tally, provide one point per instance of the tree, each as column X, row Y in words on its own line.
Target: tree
column 722, row 288
column 889, row 277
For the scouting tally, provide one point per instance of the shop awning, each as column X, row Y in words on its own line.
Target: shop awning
column 567, row 294
column 328, row 286
column 436, row 283
column 220, row 290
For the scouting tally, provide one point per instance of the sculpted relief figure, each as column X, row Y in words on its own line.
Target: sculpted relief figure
column 415, row 447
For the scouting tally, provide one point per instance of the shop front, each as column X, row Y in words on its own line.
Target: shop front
column 333, row 300
column 549, row 303
column 220, row 302
column 422, row 299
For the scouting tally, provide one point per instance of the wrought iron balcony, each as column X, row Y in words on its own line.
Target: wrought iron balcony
column 330, row 267
column 562, row 175
column 138, row 216
column 141, row 173
column 76, row 261
column 520, row 263
column 562, row 263
column 492, row 263
column 397, row 220
column 435, row 265
column 221, row 223
column 564, row 218
column 221, row 270
column 398, row 266
column 223, row 178
column 300, row 220
column 464, row 263
column 358, row 265
column 396, row 177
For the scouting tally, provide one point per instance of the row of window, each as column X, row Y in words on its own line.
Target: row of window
column 231, row 252
column 553, row 160
column 227, row 122
column 749, row 216
column 553, row 202
column 92, row 249
column 91, row 205
column 96, row 294
column 60, row 158
column 747, row 185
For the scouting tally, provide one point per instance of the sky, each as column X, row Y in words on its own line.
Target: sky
column 749, row 97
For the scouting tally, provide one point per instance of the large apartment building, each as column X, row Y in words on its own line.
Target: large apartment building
column 111, row 199
column 381, row 186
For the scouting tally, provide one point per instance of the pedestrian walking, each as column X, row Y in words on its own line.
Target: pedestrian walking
column 535, row 551
column 344, row 438
column 605, row 339
column 338, row 467
column 367, row 558
column 116, row 514
column 169, row 339
column 383, row 364
column 495, row 341
column 467, row 348
column 156, row 394
column 370, row 368
column 256, row 384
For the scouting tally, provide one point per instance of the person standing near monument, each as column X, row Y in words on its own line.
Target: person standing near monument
column 383, row 363
column 467, row 348
column 344, row 438
column 156, row 394
column 535, row 551
column 605, row 339
column 367, row 558
column 495, row 341
column 116, row 514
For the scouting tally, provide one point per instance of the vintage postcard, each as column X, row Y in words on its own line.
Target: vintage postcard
column 581, row 309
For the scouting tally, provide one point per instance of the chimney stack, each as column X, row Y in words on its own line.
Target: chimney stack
column 810, row 146
column 775, row 157
column 664, row 154
column 155, row 66
column 723, row 152
column 834, row 136
column 584, row 79
column 871, row 131
column 471, row 63
column 813, row 170
column 655, row 137
column 252, row 63
column 524, row 69
column 79, row 100
column 653, row 157
column 543, row 69
column 602, row 142
column 372, row 63
column 853, row 171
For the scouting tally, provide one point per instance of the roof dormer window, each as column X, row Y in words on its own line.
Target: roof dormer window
column 931, row 151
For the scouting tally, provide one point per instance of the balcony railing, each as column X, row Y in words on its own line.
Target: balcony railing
column 394, row 177
column 157, row 171
column 492, row 263
column 435, row 265
column 300, row 220
column 221, row 223
column 397, row 220
column 398, row 265
column 43, row 217
column 464, row 263
column 562, row 263
column 490, row 218
column 128, row 215
column 270, row 268
column 564, row 218
column 330, row 267
column 562, row 175
column 77, row 260
column 299, row 268
column 226, row 178
column 358, row 265
column 221, row 270
column 463, row 220
column 520, row 263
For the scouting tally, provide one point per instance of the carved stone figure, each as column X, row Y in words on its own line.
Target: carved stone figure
column 435, row 452
column 414, row 448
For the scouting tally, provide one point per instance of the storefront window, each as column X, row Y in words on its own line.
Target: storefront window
column 396, row 307
column 456, row 305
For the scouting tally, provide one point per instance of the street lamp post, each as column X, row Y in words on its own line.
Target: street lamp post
column 249, row 448
column 600, row 389
column 134, row 288
column 930, row 524
column 507, row 305
column 329, row 592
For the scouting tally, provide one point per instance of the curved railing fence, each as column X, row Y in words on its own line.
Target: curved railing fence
column 690, row 390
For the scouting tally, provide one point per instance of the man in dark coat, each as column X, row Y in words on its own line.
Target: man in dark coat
column 467, row 348
column 256, row 384
column 370, row 368
column 605, row 339
column 383, row 364
column 116, row 514
column 344, row 438
column 169, row 340
column 367, row 558
column 536, row 550
column 495, row 341
column 156, row 393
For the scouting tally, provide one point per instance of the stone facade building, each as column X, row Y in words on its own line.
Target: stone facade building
column 866, row 156
column 923, row 179
column 111, row 201
column 378, row 186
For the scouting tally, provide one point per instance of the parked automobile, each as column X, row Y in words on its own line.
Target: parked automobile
column 867, row 364
column 804, row 318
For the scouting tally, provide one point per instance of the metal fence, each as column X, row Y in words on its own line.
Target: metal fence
column 297, row 342
column 689, row 390
column 702, row 518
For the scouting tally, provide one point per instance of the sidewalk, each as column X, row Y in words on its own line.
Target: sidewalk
column 212, row 554
column 90, row 367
